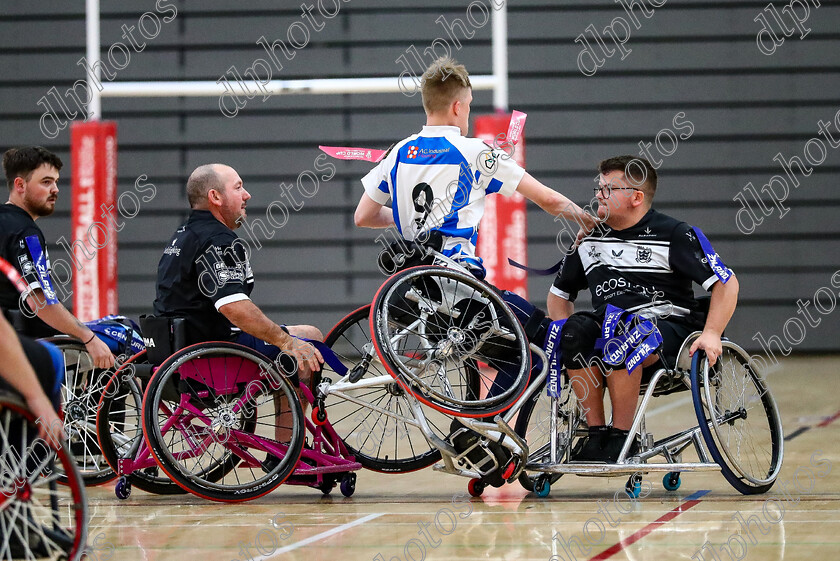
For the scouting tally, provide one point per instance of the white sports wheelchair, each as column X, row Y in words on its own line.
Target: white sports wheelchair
column 738, row 429
column 429, row 348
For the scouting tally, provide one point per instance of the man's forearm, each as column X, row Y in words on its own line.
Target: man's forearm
column 59, row 318
column 722, row 305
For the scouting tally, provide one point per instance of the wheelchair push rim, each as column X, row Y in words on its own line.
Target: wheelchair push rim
column 81, row 392
column 378, row 441
column 434, row 329
column 739, row 419
column 165, row 421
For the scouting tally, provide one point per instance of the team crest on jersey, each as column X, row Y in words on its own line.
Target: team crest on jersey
column 26, row 265
column 412, row 152
column 489, row 160
column 644, row 255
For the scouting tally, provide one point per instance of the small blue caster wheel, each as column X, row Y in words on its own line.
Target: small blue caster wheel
column 123, row 488
column 348, row 484
column 633, row 488
column 542, row 486
column 671, row 481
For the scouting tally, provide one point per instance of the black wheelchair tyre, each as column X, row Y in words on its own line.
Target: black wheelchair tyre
column 401, row 448
column 120, row 406
column 745, row 475
column 80, row 393
column 531, row 425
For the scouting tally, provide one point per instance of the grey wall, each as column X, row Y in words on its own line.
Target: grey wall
column 699, row 58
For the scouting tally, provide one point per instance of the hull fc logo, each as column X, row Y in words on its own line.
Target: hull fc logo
column 644, row 255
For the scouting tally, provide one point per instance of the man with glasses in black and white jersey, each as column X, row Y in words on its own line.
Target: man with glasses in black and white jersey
column 643, row 262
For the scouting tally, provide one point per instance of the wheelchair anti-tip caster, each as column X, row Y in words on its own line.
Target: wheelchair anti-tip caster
column 542, row 485
column 319, row 416
column 672, row 481
column 123, row 488
column 475, row 487
column 633, row 487
column 348, row 484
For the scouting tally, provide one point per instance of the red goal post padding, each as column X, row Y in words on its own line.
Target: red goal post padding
column 94, row 240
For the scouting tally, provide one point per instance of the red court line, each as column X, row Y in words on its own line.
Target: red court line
column 829, row 420
column 607, row 553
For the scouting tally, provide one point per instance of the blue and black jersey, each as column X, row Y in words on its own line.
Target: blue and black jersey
column 22, row 244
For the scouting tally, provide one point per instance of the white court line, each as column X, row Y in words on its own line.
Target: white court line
column 683, row 400
column 320, row 536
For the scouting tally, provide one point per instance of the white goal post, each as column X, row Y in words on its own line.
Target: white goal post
column 497, row 81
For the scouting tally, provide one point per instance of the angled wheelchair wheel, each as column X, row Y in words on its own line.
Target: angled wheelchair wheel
column 442, row 334
column 222, row 404
column 738, row 418
column 119, row 427
column 533, row 423
column 80, row 393
column 378, row 441
column 40, row 517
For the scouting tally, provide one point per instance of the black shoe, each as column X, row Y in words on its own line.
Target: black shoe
column 613, row 444
column 592, row 450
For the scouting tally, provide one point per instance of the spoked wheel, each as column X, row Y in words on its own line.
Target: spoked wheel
column 119, row 427
column 533, row 423
column 39, row 518
column 378, row 441
column 222, row 404
column 437, row 329
column 738, row 418
column 80, row 395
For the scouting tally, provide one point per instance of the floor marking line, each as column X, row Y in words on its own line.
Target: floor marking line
column 797, row 432
column 829, row 420
column 321, row 536
column 690, row 501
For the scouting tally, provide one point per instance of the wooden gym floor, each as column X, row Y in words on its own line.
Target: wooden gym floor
column 428, row 515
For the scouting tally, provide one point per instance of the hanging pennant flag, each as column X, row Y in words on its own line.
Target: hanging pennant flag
column 516, row 126
column 344, row 153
